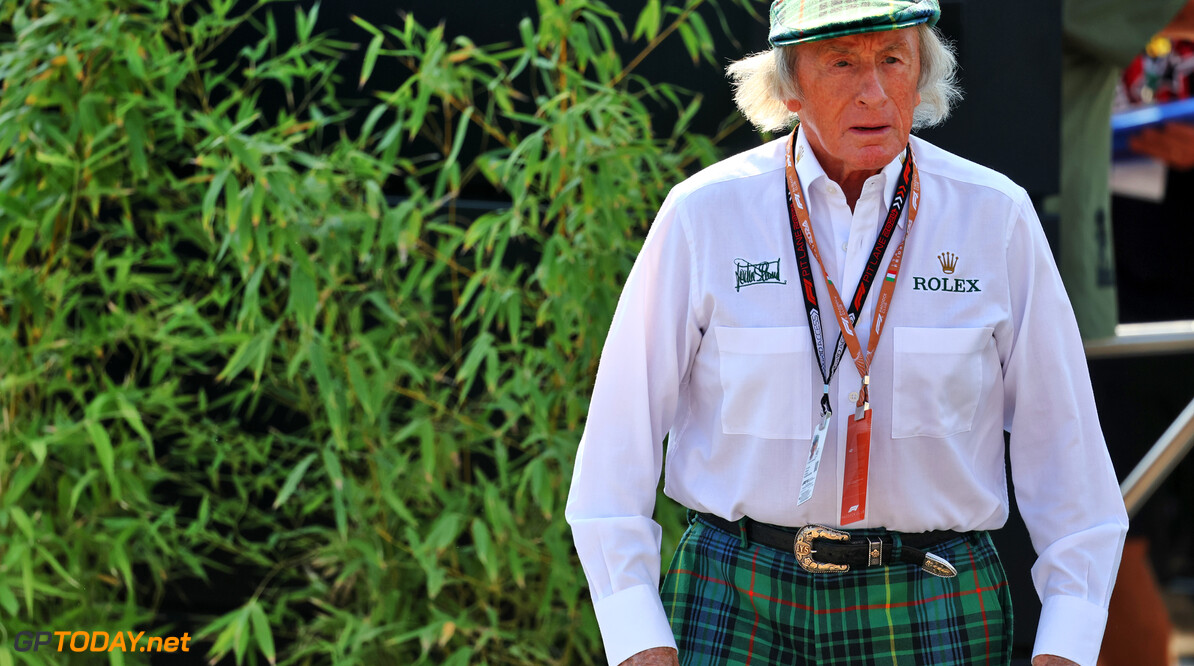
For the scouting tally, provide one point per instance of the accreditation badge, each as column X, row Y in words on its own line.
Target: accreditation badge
column 857, row 470
column 815, row 449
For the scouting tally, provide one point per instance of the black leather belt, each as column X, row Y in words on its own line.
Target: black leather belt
column 837, row 551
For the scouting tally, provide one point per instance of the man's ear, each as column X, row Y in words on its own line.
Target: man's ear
column 793, row 105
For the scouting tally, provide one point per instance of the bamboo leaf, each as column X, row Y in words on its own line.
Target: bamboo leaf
column 371, row 53
column 133, row 418
column 26, row 575
column 704, row 37
column 361, row 389
column 429, row 452
column 293, row 479
column 103, row 450
column 58, row 568
column 213, row 194
column 462, row 126
column 261, row 632
column 691, row 41
column 24, row 241
column 23, row 523
column 444, row 532
column 134, row 127
column 336, row 476
column 367, row 26
column 246, row 352
column 467, row 373
column 8, row 600
column 54, row 159
column 486, row 553
column 383, row 308
column 119, row 558
column 303, row 298
column 648, row 21
column 18, row 482
column 241, row 633
column 77, row 491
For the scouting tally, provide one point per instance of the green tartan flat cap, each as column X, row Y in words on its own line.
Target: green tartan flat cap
column 796, row 21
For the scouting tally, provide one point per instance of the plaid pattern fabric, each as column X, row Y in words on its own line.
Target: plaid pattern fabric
column 796, row 21
column 730, row 604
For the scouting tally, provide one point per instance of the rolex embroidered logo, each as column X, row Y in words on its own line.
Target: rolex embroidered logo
column 949, row 264
column 949, row 261
column 764, row 272
column 799, row 152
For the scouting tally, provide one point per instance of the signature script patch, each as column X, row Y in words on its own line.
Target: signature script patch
column 764, row 272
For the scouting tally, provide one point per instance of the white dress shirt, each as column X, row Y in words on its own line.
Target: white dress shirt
column 980, row 338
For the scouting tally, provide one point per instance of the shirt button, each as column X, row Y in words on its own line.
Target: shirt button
column 853, row 396
column 846, row 246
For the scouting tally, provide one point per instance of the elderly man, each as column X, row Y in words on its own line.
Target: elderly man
column 840, row 515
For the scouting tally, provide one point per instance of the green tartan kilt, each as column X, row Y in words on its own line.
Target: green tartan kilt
column 735, row 604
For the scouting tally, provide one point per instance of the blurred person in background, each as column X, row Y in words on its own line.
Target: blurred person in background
column 1101, row 38
column 841, row 514
column 1153, row 283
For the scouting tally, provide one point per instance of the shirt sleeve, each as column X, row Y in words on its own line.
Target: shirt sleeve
column 646, row 356
column 1065, row 485
column 1113, row 31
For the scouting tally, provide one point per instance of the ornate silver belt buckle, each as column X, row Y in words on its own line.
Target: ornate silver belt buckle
column 938, row 566
column 803, row 548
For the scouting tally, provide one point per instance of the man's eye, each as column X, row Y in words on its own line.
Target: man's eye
column 841, row 63
column 891, row 60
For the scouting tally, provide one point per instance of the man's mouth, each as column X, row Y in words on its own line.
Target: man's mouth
column 864, row 128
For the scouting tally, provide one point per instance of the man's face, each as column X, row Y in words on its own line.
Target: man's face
column 859, row 95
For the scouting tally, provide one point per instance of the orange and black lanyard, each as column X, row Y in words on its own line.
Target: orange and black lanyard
column 907, row 192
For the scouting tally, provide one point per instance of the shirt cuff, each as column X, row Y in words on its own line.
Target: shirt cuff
column 631, row 621
column 1072, row 628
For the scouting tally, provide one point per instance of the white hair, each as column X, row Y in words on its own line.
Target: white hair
column 763, row 81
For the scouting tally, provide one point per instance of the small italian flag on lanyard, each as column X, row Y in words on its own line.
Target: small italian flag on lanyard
column 891, row 276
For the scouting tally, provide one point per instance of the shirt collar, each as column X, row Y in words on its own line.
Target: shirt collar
column 812, row 175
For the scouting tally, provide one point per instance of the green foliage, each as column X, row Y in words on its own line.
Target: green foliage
column 228, row 360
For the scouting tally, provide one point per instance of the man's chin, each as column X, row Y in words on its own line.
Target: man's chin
column 874, row 158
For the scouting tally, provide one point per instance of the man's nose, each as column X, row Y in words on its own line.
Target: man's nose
column 870, row 87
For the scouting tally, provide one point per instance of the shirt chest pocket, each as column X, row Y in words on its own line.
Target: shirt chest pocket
column 937, row 377
column 766, row 390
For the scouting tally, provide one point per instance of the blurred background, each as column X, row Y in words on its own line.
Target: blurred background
column 301, row 305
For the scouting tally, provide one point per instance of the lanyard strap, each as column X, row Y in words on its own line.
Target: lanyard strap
column 803, row 241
